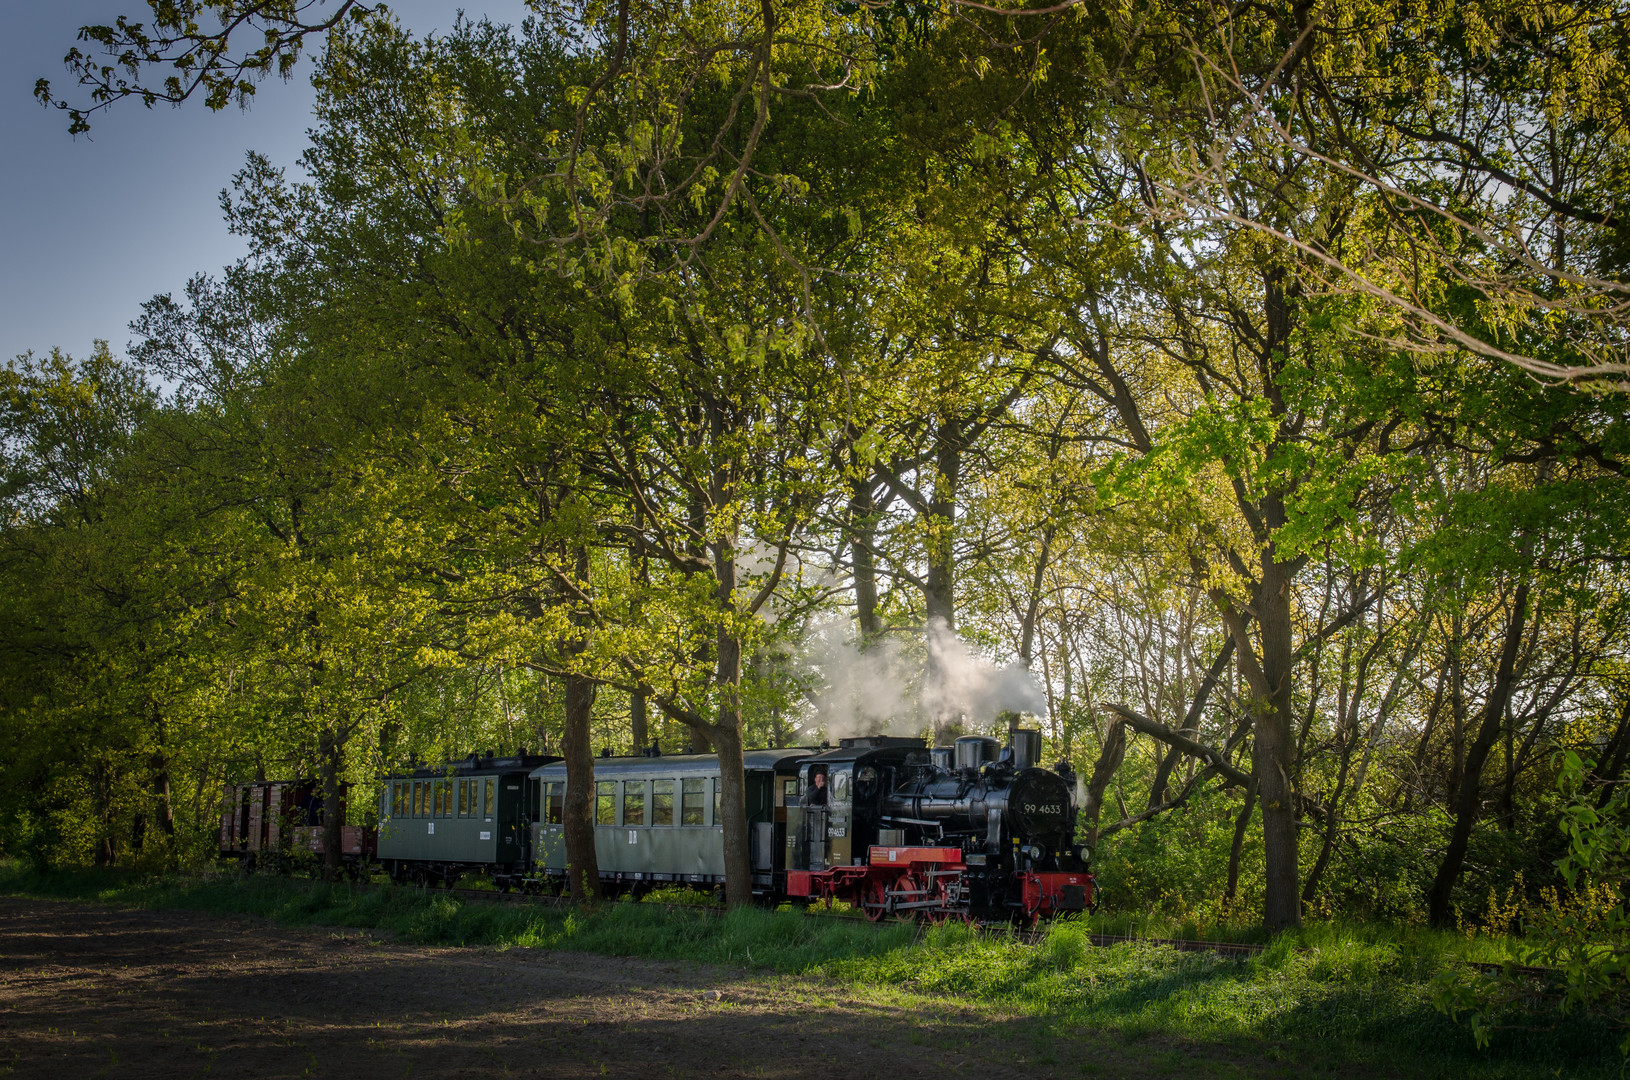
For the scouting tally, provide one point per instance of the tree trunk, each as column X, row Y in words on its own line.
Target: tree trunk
column 726, row 735
column 1269, row 678
column 1507, row 815
column 738, row 871
column 939, row 592
column 1242, row 824
column 330, row 764
column 1108, row 761
column 638, row 720
column 1027, row 630
column 939, row 598
column 1612, row 765
column 1332, row 824
column 638, row 707
column 862, row 537
column 1191, row 722
column 1457, row 707
column 1417, row 763
column 160, row 764
column 577, row 808
column 1439, row 899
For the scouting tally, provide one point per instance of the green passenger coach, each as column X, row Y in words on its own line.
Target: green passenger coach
column 471, row 815
column 658, row 819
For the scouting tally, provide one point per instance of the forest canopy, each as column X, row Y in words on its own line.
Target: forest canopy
column 1237, row 390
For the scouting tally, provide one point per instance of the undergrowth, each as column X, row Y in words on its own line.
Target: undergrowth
column 1359, row 993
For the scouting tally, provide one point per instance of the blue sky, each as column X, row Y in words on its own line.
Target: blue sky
column 96, row 224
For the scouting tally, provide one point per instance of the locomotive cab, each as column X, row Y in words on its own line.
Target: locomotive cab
column 836, row 823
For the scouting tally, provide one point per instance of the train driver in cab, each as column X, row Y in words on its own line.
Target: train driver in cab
column 817, row 788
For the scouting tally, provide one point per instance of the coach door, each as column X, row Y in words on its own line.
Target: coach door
column 531, row 815
column 512, row 823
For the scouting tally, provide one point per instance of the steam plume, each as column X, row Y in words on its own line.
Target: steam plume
column 888, row 690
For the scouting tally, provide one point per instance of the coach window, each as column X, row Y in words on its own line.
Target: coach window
column 488, row 800
column 553, row 796
column 463, row 798
column 694, row 794
column 634, row 802
column 662, row 802
column 605, row 802
column 717, row 819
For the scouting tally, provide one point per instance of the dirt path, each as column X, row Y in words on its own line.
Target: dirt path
column 89, row 991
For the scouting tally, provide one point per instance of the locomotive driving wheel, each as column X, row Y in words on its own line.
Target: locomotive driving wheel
column 874, row 899
column 934, row 890
column 917, row 888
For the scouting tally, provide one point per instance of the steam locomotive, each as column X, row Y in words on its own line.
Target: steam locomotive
column 974, row 831
column 970, row 831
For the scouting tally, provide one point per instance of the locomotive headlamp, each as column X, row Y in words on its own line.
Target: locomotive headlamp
column 1034, row 851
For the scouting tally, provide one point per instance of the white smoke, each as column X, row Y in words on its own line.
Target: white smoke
column 963, row 684
column 861, row 693
column 888, row 690
column 755, row 562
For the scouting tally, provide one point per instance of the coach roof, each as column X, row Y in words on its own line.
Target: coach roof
column 665, row 765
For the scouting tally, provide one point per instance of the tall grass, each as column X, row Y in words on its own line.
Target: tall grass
column 1358, row 993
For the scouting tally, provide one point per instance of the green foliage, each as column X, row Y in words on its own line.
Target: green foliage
column 1580, row 933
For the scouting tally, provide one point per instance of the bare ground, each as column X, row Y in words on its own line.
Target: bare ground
column 91, row 991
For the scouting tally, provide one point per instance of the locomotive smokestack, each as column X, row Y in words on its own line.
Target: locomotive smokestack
column 1024, row 743
column 1026, row 748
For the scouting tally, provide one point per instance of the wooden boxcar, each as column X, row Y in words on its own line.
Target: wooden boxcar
column 266, row 822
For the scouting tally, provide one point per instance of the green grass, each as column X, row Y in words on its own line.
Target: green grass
column 1357, row 995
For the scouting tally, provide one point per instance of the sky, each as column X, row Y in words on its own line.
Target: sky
column 95, row 224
